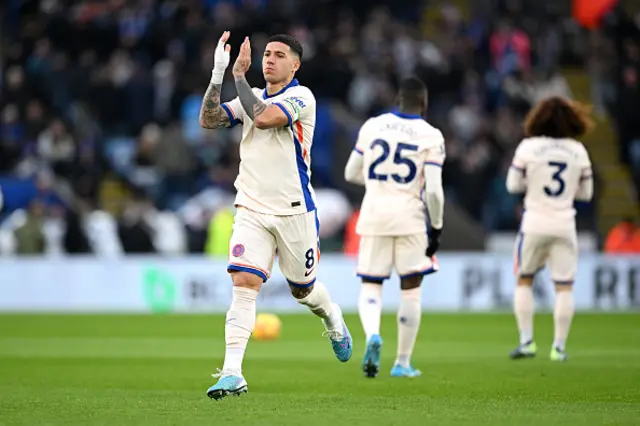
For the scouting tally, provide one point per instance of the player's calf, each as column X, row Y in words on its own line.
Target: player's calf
column 562, row 318
column 523, row 310
column 409, row 317
column 317, row 299
column 370, row 307
column 370, row 310
column 239, row 324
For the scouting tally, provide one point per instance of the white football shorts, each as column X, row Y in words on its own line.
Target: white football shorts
column 257, row 237
column 534, row 251
column 406, row 253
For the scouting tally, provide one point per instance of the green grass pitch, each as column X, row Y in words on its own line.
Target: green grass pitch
column 154, row 370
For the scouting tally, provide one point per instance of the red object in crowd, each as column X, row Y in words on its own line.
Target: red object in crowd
column 624, row 238
column 589, row 13
column 351, row 238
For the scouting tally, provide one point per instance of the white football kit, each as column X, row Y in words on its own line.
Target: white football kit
column 552, row 173
column 275, row 200
column 392, row 157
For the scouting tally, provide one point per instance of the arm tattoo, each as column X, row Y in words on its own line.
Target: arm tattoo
column 212, row 115
column 250, row 102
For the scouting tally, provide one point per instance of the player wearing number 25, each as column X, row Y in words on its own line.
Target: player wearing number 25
column 394, row 155
column 553, row 170
column 276, row 204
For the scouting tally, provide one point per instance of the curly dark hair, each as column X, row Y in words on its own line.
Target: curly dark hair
column 558, row 118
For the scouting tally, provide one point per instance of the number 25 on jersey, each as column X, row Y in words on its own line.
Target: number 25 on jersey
column 398, row 158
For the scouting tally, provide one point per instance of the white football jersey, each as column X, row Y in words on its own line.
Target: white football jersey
column 553, row 170
column 395, row 148
column 275, row 164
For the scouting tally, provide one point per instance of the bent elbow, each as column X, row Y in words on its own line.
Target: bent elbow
column 261, row 123
column 512, row 188
column 348, row 176
column 515, row 186
column 585, row 196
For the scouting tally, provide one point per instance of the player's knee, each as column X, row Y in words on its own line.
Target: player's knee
column 525, row 280
column 300, row 292
column 411, row 282
column 246, row 280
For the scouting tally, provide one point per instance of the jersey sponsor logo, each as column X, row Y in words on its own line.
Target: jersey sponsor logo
column 238, row 250
column 298, row 101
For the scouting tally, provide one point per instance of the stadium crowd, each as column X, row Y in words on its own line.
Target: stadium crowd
column 100, row 143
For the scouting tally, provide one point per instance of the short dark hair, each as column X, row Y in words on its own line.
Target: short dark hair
column 290, row 41
column 558, row 118
column 412, row 92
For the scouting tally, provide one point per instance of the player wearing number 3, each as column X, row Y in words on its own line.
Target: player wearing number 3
column 276, row 204
column 394, row 155
column 553, row 170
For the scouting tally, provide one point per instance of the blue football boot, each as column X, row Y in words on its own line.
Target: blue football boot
column 227, row 385
column 340, row 340
column 371, row 361
column 400, row 371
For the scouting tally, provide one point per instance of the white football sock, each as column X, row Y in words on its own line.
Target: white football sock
column 241, row 319
column 409, row 316
column 523, row 309
column 319, row 302
column 562, row 316
column 370, row 308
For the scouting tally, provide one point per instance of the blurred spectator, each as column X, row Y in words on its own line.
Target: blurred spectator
column 134, row 232
column 57, row 147
column 29, row 236
column 106, row 95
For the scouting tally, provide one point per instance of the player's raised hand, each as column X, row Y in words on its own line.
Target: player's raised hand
column 243, row 62
column 221, row 58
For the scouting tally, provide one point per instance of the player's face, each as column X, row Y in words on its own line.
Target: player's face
column 278, row 62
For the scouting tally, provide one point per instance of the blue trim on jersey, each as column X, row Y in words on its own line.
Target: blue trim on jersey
column 432, row 163
column 232, row 267
column 234, row 121
column 407, row 116
column 285, row 113
column 293, row 83
column 303, row 172
column 318, row 228
column 358, row 150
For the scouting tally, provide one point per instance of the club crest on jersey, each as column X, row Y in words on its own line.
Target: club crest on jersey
column 238, row 250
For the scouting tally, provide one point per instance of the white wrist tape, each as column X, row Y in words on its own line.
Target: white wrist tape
column 217, row 76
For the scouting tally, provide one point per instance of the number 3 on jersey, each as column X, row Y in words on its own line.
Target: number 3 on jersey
column 557, row 177
column 397, row 159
